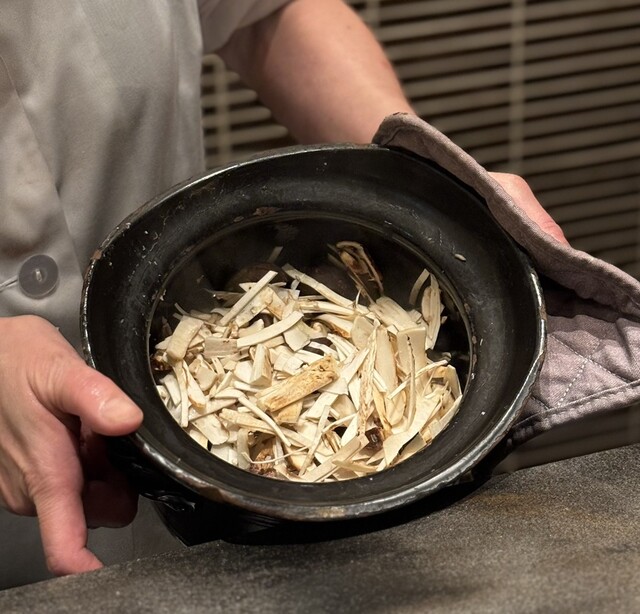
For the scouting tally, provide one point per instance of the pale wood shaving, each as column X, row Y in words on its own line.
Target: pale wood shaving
column 270, row 331
column 246, row 300
column 417, row 286
column 320, row 288
column 186, row 330
column 360, row 268
column 310, row 379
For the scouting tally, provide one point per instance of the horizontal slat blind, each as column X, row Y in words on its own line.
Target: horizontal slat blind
column 581, row 122
column 549, row 89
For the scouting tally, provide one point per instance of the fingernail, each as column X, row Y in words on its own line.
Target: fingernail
column 119, row 411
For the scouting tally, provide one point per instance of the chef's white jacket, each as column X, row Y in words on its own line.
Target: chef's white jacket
column 99, row 112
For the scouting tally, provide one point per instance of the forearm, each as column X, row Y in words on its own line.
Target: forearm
column 320, row 70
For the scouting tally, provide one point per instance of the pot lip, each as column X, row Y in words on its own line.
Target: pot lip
column 205, row 486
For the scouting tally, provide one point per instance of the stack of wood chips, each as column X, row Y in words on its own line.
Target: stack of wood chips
column 310, row 386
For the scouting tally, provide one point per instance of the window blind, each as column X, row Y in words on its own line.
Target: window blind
column 549, row 89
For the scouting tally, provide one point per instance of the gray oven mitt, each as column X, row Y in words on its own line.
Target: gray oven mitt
column 592, row 362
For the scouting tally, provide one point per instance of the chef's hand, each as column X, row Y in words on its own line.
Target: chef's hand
column 53, row 407
column 521, row 193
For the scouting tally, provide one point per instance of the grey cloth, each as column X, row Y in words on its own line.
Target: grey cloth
column 593, row 308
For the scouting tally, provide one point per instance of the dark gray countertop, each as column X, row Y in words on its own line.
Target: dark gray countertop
column 562, row 537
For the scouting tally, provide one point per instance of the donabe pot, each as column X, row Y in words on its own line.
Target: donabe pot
column 409, row 213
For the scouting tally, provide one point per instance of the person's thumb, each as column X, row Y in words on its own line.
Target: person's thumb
column 96, row 400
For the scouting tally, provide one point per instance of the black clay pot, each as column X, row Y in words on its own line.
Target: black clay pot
column 410, row 214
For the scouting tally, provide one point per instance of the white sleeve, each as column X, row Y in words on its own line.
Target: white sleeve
column 221, row 18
